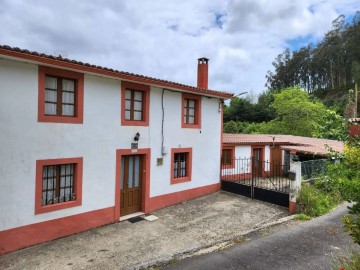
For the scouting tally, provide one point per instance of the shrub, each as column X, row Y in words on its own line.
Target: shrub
column 315, row 202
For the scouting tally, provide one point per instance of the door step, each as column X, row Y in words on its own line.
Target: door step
column 137, row 214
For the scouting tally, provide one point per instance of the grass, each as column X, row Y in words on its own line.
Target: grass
column 303, row 217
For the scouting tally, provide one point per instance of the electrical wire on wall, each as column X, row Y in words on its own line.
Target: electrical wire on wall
column 162, row 150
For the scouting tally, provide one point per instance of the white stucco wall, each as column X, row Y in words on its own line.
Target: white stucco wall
column 243, row 155
column 25, row 140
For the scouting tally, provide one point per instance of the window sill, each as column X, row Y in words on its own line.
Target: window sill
column 134, row 123
column 57, row 206
column 60, row 119
column 197, row 126
column 180, row 180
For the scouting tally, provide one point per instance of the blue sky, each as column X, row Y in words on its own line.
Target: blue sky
column 163, row 39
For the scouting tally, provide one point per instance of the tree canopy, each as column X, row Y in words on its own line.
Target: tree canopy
column 296, row 114
column 242, row 109
column 328, row 69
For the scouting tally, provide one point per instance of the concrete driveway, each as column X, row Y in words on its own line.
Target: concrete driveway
column 180, row 230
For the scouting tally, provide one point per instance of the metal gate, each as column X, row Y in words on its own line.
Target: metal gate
column 256, row 179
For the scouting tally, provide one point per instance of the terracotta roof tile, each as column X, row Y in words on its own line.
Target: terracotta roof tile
column 287, row 142
column 42, row 58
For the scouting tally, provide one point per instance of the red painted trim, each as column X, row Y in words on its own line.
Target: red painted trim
column 197, row 121
column 112, row 73
column 189, row 167
column 232, row 165
column 162, row 201
column 39, row 208
column 79, row 96
column 29, row 235
column 292, row 208
column 146, row 178
column 146, row 105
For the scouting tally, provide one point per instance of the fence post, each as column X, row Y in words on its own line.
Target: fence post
column 295, row 185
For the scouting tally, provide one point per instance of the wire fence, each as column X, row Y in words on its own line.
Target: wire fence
column 313, row 169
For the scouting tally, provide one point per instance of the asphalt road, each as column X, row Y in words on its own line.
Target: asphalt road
column 316, row 244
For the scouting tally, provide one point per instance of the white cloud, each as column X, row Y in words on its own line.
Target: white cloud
column 163, row 38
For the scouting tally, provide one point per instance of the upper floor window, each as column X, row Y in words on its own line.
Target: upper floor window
column 134, row 104
column 191, row 111
column 61, row 96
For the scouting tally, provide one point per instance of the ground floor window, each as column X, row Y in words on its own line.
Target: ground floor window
column 181, row 165
column 58, row 184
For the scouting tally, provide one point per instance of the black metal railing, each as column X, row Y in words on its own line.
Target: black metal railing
column 256, row 173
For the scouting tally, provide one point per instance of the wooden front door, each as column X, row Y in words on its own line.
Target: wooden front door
column 275, row 162
column 257, row 162
column 131, row 184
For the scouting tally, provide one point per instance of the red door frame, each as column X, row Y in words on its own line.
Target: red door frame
column 145, row 192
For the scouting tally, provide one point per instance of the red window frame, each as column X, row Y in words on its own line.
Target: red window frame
column 79, row 95
column 145, row 89
column 187, row 177
column 184, row 111
column 232, row 155
column 77, row 184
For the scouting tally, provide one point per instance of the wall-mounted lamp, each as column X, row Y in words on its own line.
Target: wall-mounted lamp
column 137, row 137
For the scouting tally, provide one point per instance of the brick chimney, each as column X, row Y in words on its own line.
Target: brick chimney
column 202, row 81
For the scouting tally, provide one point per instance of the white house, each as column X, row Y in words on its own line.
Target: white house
column 83, row 145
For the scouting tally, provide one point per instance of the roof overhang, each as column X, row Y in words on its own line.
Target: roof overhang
column 64, row 63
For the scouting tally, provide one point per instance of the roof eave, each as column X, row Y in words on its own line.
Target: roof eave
column 53, row 61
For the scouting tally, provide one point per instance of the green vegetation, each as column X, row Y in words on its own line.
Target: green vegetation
column 244, row 110
column 314, row 201
column 353, row 263
column 308, row 91
column 342, row 182
column 294, row 112
column 302, row 216
column 327, row 69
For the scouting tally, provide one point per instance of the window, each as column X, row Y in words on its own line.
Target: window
column 58, row 184
column 191, row 111
column 61, row 96
column 181, row 165
column 228, row 157
column 134, row 104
